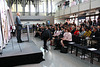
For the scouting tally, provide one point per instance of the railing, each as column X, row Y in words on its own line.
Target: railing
column 31, row 14
column 34, row 14
column 77, row 2
column 77, row 7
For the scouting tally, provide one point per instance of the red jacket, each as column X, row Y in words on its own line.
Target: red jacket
column 76, row 32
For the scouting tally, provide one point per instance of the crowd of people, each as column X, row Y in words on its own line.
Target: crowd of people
column 69, row 3
column 60, row 34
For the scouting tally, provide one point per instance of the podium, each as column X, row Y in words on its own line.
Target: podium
column 28, row 31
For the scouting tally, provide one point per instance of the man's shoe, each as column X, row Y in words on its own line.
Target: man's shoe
column 56, row 48
column 46, row 48
column 19, row 42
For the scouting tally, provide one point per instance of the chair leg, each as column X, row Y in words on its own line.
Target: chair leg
column 99, row 59
column 91, row 59
column 71, row 49
column 84, row 52
column 76, row 51
column 68, row 48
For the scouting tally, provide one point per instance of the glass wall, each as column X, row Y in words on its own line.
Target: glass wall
column 27, row 7
column 13, row 8
column 42, row 7
column 20, row 8
column 53, row 6
column 49, row 6
column 32, row 7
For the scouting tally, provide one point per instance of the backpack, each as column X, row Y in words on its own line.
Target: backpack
column 45, row 34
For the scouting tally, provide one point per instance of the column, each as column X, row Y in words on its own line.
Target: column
column 29, row 8
column 43, row 5
column 51, row 7
column 23, row 4
column 8, row 3
column 16, row 6
column 47, row 7
column 90, row 4
column 24, row 11
column 34, row 3
column 36, row 8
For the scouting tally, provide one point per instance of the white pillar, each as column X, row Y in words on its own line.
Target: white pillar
column 29, row 8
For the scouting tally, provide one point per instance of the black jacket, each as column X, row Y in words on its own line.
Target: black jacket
column 97, row 34
column 46, row 34
column 61, row 34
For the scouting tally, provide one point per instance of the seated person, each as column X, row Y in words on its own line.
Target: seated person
column 66, row 37
column 58, row 39
column 87, row 33
column 57, row 32
column 82, row 33
column 38, row 32
column 96, row 32
column 95, row 38
column 54, row 34
column 86, row 36
column 62, row 32
column 98, row 27
column 73, row 29
column 77, row 31
column 52, row 30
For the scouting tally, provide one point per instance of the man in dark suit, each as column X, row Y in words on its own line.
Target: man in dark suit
column 96, row 32
column 46, row 36
column 96, row 38
column 18, row 28
column 98, row 27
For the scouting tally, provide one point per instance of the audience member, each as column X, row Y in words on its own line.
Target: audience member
column 82, row 33
column 66, row 37
column 77, row 31
column 46, row 36
column 87, row 33
column 60, row 33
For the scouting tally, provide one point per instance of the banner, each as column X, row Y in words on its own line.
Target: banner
column 6, row 21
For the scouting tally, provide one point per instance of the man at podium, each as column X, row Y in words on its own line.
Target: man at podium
column 18, row 28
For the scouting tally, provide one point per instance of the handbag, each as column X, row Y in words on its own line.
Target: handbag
column 64, row 50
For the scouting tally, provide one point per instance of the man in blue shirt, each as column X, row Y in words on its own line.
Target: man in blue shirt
column 18, row 28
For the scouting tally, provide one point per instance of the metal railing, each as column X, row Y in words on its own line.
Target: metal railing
column 31, row 14
column 71, row 4
column 34, row 14
column 82, row 6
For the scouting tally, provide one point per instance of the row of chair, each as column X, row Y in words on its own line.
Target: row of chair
column 77, row 44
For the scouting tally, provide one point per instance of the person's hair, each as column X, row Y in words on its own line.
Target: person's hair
column 77, row 28
column 95, row 28
column 68, row 29
column 88, row 28
column 55, row 28
column 83, row 28
column 94, row 20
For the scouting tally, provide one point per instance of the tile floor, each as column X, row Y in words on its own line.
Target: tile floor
column 53, row 58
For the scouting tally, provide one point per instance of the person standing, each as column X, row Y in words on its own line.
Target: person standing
column 18, row 28
column 46, row 36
